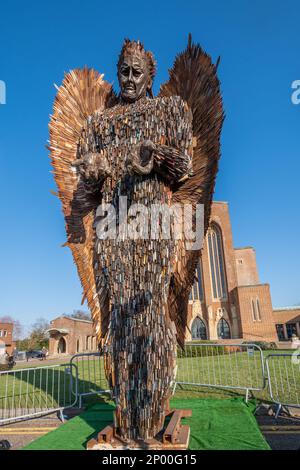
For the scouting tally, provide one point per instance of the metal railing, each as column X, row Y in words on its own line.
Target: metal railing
column 283, row 375
column 37, row 391
column 226, row 366
column 30, row 392
column 91, row 376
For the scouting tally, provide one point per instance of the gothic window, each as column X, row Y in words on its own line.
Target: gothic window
column 216, row 261
column 223, row 329
column 255, row 310
column 197, row 289
column 258, row 310
column 198, row 329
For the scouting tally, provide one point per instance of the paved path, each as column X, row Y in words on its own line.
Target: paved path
column 22, row 433
column 281, row 434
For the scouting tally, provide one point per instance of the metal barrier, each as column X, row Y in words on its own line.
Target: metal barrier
column 91, row 377
column 283, row 375
column 226, row 366
column 30, row 392
column 37, row 391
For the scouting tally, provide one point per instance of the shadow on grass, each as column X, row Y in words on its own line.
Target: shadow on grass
column 42, row 389
column 98, row 415
column 190, row 391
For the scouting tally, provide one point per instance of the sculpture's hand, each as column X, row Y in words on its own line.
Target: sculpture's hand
column 141, row 161
column 170, row 162
column 146, row 150
column 93, row 166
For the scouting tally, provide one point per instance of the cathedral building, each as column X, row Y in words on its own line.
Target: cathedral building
column 228, row 301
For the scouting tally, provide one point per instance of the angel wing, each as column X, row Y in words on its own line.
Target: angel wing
column 194, row 78
column 82, row 92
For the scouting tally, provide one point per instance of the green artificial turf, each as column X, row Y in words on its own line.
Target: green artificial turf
column 215, row 425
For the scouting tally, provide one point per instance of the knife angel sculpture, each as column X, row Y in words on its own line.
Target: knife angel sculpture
column 138, row 153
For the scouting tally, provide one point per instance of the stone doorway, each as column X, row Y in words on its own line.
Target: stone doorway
column 62, row 346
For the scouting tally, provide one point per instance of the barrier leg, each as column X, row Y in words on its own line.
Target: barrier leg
column 61, row 416
column 279, row 407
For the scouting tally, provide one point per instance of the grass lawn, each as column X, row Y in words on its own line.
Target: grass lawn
column 45, row 387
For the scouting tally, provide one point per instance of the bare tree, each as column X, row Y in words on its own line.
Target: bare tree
column 81, row 314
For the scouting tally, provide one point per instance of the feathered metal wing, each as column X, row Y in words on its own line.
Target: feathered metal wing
column 194, row 78
column 82, row 92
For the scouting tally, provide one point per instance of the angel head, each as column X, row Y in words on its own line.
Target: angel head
column 136, row 70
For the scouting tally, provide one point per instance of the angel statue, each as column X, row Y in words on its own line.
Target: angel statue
column 151, row 152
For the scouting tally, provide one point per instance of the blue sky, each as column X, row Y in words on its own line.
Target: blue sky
column 259, row 171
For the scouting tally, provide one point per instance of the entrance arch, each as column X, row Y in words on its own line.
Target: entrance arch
column 198, row 329
column 62, row 346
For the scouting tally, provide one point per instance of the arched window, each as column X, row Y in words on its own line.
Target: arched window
column 255, row 309
column 198, row 329
column 216, row 261
column 223, row 329
column 258, row 310
column 197, row 289
column 78, row 346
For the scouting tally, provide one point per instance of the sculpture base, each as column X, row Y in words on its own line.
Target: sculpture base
column 174, row 436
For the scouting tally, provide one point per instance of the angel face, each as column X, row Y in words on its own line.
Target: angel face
column 134, row 78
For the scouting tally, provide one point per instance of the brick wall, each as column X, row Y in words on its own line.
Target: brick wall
column 246, row 267
column 259, row 327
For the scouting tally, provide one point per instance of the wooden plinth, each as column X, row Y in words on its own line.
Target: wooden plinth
column 175, row 436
